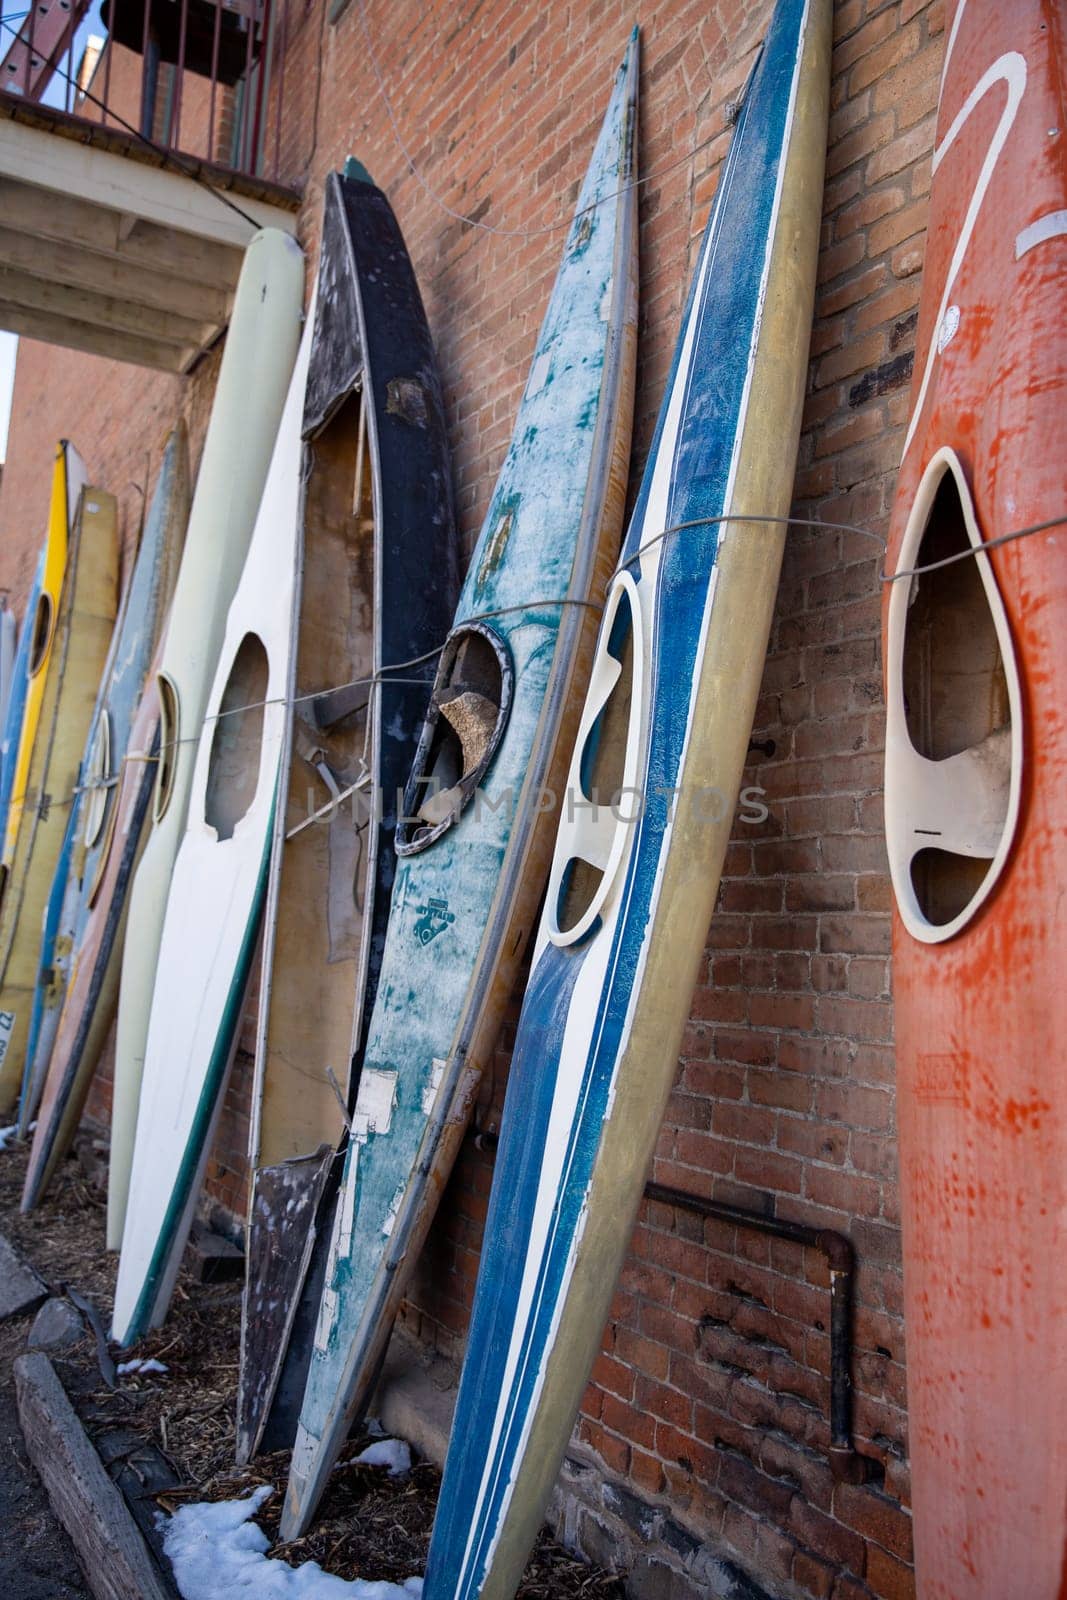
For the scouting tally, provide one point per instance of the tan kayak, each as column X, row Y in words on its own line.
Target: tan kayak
column 70, row 676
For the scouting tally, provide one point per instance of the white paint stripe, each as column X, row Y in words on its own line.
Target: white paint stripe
column 545, row 1205
column 1009, row 68
column 1051, row 226
column 568, row 1086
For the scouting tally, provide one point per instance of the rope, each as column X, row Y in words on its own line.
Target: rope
column 375, row 679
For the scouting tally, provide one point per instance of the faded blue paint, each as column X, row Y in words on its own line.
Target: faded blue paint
column 16, row 706
column 48, row 971
column 487, row 1441
column 528, row 551
column 129, row 658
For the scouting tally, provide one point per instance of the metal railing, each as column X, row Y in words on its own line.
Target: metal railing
column 198, row 78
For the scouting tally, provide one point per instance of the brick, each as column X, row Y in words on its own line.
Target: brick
column 764, row 1170
column 821, row 893
column 843, row 1191
column 874, row 1155
column 896, row 302
column 868, row 935
column 841, row 258
column 861, row 142
column 812, row 1576
column 614, row 1452
column 870, row 207
column 904, row 224
column 781, row 1089
column 613, row 1376
column 863, row 40
column 852, row 1103
column 827, row 1537
column 857, row 355
column 889, row 1578
column 643, row 1354
column 875, row 1516
column 813, row 1141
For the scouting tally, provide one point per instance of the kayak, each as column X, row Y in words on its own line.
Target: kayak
column 473, row 841
column 62, row 696
column 16, row 705
column 377, row 584
column 68, row 480
column 652, row 792
column 75, row 891
column 257, row 362
column 211, row 919
column 8, row 652
column 975, row 799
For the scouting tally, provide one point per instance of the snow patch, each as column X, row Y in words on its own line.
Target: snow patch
column 217, row 1551
column 391, row 1453
column 141, row 1364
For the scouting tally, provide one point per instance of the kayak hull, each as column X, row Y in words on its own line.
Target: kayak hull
column 68, row 480
column 261, row 344
column 633, row 883
column 211, row 920
column 69, row 679
column 976, row 795
column 378, row 585
column 92, row 821
column 473, row 840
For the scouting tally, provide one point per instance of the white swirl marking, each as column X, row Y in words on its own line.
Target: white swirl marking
column 1009, row 68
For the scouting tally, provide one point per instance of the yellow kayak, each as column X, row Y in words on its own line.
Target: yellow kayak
column 68, row 479
column 74, row 621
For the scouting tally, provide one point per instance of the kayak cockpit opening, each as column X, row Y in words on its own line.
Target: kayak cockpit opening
column 233, row 769
column 97, row 794
column 43, row 618
column 168, row 745
column 464, row 726
column 954, row 737
column 601, row 803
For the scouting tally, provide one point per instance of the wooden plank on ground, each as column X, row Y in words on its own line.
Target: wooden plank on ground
column 20, row 1287
column 87, row 1503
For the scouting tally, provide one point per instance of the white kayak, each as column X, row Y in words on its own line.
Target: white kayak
column 216, row 895
column 261, row 345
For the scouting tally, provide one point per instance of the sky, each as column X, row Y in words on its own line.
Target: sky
column 8, row 346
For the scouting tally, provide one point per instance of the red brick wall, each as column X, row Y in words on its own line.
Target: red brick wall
column 710, row 1396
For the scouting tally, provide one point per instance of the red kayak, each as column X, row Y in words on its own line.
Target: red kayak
column 976, row 818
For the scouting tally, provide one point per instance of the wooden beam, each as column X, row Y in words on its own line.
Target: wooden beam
column 109, row 313
column 84, row 269
column 155, row 194
column 95, row 341
column 123, row 141
column 68, row 220
column 83, row 1497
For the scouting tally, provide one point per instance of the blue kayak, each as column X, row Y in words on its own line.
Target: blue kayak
column 650, row 802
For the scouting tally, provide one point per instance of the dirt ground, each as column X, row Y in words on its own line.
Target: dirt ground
column 370, row 1525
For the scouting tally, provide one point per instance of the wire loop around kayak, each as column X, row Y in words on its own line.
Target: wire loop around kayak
column 385, row 673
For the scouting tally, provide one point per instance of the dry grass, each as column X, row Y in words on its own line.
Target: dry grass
column 370, row 1525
